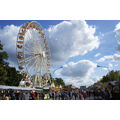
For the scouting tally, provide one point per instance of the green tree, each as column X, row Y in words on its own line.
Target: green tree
column 111, row 76
column 14, row 77
column 3, row 56
column 59, row 81
column 3, row 64
column 8, row 75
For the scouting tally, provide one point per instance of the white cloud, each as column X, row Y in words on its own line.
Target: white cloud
column 66, row 39
column 71, row 38
column 98, row 54
column 106, row 69
column 114, row 57
column 79, row 82
column 117, row 27
column 117, row 31
column 116, row 65
column 110, row 66
column 8, row 36
column 77, row 73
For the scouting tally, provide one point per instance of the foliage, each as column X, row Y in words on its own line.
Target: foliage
column 3, row 55
column 8, row 75
column 111, row 76
column 58, row 82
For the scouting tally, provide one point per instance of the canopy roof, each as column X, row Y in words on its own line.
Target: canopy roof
column 17, row 88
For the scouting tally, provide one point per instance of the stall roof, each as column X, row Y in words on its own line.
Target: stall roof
column 16, row 88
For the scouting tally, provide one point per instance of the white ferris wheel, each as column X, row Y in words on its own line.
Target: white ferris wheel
column 33, row 54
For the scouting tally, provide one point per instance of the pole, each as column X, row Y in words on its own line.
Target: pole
column 105, row 67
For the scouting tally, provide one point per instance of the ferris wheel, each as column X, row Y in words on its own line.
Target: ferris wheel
column 33, row 54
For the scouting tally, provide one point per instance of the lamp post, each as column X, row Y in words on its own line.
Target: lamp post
column 60, row 87
column 57, row 69
column 105, row 67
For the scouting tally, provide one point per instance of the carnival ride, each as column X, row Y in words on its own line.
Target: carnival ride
column 33, row 55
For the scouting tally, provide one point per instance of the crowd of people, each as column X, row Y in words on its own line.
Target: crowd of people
column 42, row 95
column 76, row 94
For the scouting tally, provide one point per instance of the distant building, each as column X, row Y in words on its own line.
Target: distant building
column 82, row 87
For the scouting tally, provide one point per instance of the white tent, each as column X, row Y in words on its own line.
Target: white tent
column 16, row 88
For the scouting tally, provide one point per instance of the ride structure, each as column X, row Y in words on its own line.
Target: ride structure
column 33, row 55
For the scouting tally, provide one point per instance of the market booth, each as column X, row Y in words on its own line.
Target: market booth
column 3, row 87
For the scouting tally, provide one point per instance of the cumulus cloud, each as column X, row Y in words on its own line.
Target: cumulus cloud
column 71, row 38
column 110, row 66
column 106, row 69
column 114, row 57
column 78, row 82
column 66, row 39
column 116, row 65
column 8, row 36
column 117, row 27
column 77, row 73
column 117, row 31
column 98, row 54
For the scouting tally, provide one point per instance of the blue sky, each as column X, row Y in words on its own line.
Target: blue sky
column 106, row 44
column 44, row 23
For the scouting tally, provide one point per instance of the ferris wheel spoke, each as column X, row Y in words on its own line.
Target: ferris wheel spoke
column 27, row 52
column 37, row 47
column 33, row 33
column 29, row 43
column 28, row 37
column 30, row 61
column 27, row 47
column 36, row 40
column 37, row 66
column 35, row 69
column 32, row 65
column 33, row 45
column 30, row 58
column 43, row 60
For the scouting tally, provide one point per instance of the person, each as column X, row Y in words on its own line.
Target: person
column 66, row 97
column 27, row 95
column 38, row 96
column 53, row 96
column 20, row 95
column 41, row 96
column 17, row 95
column 30, row 98
column 62, row 95
column 46, row 97
column 115, row 93
column 70, row 95
column 50, row 94
column 84, row 95
column 0, row 95
column 80, row 96
column 56, row 95
column 107, row 95
column 33, row 95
